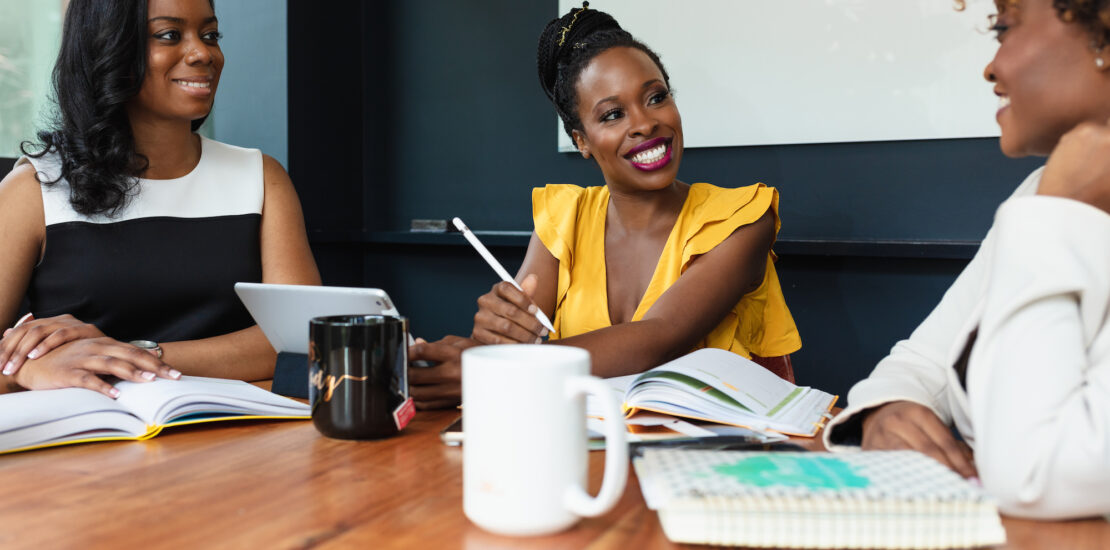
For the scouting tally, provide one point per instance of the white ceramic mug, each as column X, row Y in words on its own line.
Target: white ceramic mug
column 524, row 449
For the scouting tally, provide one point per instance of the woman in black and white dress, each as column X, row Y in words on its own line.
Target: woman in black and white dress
column 122, row 225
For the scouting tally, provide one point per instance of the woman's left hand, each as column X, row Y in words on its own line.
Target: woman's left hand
column 1079, row 166
column 440, row 386
column 36, row 337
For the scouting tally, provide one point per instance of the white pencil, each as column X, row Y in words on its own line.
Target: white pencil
column 496, row 266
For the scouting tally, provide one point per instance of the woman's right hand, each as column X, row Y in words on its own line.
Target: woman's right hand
column 909, row 425
column 79, row 364
column 1079, row 166
column 508, row 316
column 36, row 337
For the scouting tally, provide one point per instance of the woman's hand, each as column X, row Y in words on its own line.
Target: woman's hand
column 1079, row 166
column 908, row 425
column 79, row 364
column 508, row 316
column 36, row 337
column 440, row 386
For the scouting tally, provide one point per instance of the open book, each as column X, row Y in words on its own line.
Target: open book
column 45, row 418
column 720, row 386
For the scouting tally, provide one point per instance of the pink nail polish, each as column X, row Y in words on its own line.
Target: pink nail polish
column 148, row 375
column 174, row 374
column 113, row 392
column 8, row 368
column 34, row 354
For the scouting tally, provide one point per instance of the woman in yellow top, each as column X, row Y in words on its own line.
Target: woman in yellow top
column 645, row 268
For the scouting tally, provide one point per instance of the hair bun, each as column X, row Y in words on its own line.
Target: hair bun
column 561, row 35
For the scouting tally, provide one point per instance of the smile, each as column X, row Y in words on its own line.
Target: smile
column 192, row 84
column 1003, row 104
column 651, row 155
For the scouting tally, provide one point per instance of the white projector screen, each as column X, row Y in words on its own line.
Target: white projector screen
column 765, row 72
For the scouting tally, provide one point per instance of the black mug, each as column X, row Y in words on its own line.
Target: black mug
column 358, row 375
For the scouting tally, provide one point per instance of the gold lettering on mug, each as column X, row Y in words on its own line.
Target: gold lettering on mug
column 319, row 380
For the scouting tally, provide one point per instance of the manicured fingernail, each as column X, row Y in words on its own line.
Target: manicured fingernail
column 975, row 481
column 8, row 368
column 34, row 354
column 538, row 341
column 532, row 308
column 543, row 332
column 113, row 392
column 148, row 375
column 174, row 374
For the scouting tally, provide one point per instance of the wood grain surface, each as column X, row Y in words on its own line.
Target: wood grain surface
column 280, row 484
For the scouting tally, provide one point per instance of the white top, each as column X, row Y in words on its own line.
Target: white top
column 227, row 182
column 1037, row 406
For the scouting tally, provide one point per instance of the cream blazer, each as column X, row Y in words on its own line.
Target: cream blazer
column 1036, row 409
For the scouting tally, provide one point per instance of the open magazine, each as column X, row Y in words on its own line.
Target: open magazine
column 45, row 418
column 720, row 386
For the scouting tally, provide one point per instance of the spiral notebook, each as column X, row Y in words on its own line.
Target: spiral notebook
column 869, row 499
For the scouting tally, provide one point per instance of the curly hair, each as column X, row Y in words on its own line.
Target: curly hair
column 100, row 68
column 1093, row 15
column 567, row 45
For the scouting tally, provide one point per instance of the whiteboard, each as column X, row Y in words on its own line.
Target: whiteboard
column 766, row 72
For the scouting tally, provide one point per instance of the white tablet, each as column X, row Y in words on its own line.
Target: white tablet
column 283, row 311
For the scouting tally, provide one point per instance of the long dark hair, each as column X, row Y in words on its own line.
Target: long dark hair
column 100, row 68
column 566, row 47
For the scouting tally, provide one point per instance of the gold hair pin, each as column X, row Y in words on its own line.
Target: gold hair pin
column 566, row 29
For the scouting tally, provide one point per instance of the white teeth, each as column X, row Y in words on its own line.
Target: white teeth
column 193, row 84
column 1003, row 101
column 655, row 154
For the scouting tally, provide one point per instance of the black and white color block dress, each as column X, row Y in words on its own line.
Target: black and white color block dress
column 164, row 268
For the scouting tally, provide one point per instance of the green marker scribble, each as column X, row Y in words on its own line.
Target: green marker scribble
column 814, row 472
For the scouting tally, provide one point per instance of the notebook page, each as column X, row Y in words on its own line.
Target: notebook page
column 161, row 401
column 753, row 386
column 30, row 408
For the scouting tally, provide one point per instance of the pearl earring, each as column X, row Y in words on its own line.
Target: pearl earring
column 1099, row 62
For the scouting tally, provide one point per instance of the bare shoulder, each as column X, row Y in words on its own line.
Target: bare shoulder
column 20, row 180
column 22, row 221
column 20, row 193
column 273, row 173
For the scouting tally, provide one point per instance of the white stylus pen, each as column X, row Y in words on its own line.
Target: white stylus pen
column 496, row 266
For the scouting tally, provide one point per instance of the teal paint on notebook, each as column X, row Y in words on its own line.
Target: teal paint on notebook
column 813, row 472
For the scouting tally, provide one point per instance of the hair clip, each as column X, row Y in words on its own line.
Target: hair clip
column 566, row 29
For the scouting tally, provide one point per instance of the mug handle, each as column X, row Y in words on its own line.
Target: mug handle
column 575, row 498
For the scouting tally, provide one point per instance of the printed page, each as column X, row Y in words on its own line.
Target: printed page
column 754, row 387
column 163, row 401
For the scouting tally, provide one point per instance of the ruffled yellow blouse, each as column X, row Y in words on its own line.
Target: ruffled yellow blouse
column 570, row 221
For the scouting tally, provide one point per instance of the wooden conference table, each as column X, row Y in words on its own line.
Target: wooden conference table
column 279, row 484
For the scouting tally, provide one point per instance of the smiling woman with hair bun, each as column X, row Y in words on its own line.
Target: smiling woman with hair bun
column 644, row 268
column 127, row 230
